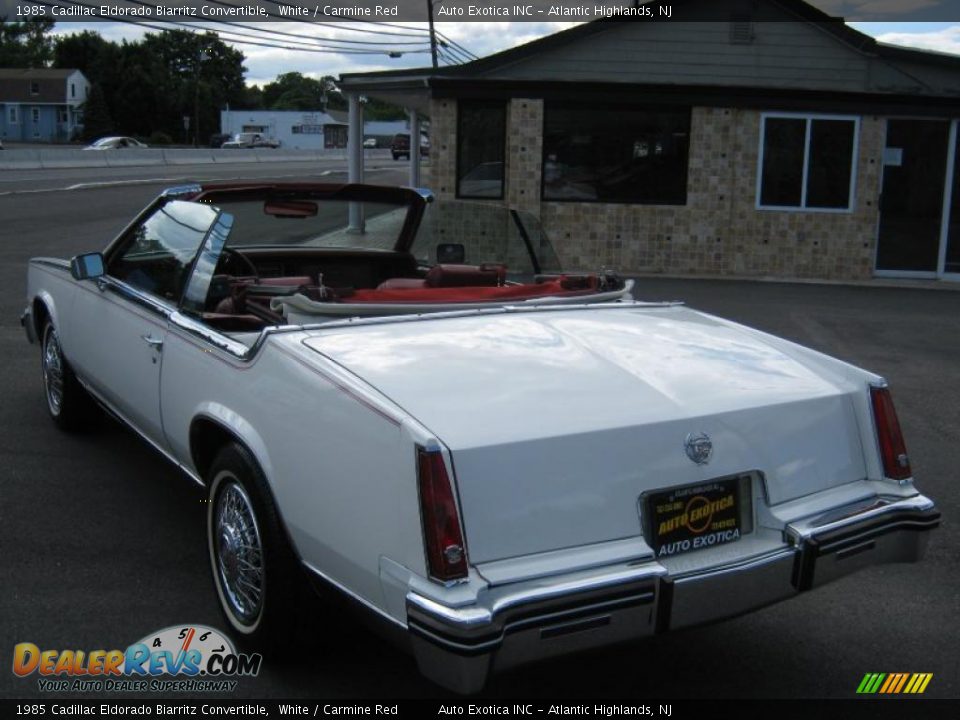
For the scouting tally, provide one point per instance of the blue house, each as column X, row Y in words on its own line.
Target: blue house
column 41, row 104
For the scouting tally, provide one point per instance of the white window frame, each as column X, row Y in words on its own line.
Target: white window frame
column 13, row 114
column 35, row 115
column 809, row 118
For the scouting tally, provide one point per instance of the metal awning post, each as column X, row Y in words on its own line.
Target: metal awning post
column 414, row 148
column 355, row 158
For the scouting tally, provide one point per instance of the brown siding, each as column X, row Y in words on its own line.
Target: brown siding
column 783, row 54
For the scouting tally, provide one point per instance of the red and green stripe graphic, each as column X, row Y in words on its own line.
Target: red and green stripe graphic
column 894, row 683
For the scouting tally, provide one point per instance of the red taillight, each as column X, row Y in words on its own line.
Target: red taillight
column 893, row 451
column 446, row 554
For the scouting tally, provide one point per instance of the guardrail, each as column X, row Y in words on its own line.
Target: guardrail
column 41, row 159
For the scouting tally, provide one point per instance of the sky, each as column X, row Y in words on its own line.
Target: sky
column 481, row 38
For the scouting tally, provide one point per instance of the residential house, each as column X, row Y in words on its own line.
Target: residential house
column 41, row 104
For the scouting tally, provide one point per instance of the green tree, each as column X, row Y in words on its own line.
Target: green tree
column 380, row 110
column 252, row 99
column 96, row 115
column 151, row 84
column 196, row 71
column 27, row 43
column 293, row 91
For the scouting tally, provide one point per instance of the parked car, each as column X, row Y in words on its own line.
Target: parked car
column 218, row 139
column 116, row 143
column 370, row 142
column 410, row 403
column 400, row 146
column 250, row 140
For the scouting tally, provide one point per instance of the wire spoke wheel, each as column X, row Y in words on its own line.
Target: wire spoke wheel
column 238, row 552
column 53, row 371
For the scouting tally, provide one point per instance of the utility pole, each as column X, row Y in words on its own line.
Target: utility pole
column 433, row 34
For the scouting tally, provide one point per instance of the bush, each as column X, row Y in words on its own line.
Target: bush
column 158, row 137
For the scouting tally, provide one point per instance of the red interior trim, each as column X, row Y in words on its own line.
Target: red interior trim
column 466, row 294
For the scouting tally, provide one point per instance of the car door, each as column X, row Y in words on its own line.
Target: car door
column 119, row 321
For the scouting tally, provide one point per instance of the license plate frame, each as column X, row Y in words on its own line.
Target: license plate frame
column 697, row 516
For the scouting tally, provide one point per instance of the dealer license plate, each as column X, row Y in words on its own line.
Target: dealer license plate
column 694, row 517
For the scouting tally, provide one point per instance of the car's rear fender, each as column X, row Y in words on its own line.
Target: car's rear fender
column 213, row 425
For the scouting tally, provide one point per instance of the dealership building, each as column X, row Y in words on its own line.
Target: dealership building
column 765, row 139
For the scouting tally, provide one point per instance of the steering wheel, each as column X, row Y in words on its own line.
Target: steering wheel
column 240, row 258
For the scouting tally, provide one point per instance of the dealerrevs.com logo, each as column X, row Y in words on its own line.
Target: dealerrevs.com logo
column 201, row 659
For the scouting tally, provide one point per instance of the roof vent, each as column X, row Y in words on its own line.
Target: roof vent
column 741, row 30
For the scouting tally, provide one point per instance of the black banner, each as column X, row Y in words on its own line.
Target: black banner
column 365, row 11
column 895, row 709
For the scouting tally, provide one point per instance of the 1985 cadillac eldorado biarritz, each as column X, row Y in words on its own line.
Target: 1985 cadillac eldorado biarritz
column 409, row 402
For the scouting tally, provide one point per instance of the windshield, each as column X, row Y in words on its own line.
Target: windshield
column 477, row 233
column 302, row 221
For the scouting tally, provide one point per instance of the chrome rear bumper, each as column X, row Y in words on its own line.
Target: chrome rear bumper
column 513, row 624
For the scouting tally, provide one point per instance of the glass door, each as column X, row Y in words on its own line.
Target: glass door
column 911, row 203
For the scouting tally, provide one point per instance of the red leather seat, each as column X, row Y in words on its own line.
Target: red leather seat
column 446, row 276
column 451, row 276
column 401, row 284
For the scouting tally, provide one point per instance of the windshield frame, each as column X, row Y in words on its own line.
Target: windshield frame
column 415, row 201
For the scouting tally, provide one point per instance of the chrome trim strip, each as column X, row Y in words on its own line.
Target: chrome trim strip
column 59, row 263
column 737, row 567
column 800, row 531
column 350, row 593
column 653, row 571
column 126, row 421
column 177, row 190
column 464, row 617
column 499, row 310
column 475, row 616
column 138, row 297
column 223, row 342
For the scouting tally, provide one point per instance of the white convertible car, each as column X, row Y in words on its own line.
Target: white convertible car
column 407, row 401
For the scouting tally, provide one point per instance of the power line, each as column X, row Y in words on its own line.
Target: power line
column 275, row 45
column 288, row 44
column 378, row 23
column 453, row 52
column 299, row 37
column 454, row 44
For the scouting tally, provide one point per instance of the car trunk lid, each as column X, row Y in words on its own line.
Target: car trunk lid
column 559, row 421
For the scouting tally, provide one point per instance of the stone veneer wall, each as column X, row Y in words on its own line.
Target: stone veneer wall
column 718, row 232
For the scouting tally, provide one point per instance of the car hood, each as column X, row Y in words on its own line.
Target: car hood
column 489, row 379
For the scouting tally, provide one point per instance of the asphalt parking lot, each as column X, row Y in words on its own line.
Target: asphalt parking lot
column 102, row 542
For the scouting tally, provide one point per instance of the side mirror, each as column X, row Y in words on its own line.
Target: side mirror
column 451, row 253
column 87, row 266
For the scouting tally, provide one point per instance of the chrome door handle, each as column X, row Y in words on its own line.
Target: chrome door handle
column 155, row 343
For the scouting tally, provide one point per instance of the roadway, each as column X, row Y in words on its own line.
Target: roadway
column 24, row 181
column 103, row 542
